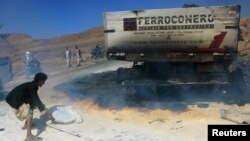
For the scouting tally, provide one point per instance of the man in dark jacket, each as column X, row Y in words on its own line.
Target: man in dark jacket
column 24, row 99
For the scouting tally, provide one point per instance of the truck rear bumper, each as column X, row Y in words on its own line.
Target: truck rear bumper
column 170, row 57
column 161, row 83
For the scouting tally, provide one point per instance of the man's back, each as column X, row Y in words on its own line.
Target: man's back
column 25, row 93
column 21, row 94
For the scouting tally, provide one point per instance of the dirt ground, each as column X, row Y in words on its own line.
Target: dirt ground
column 111, row 113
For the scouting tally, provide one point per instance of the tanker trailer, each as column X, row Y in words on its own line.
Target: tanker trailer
column 195, row 46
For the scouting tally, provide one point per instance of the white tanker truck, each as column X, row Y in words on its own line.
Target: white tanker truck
column 195, row 46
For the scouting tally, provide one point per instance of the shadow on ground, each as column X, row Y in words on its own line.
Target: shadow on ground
column 42, row 121
column 103, row 90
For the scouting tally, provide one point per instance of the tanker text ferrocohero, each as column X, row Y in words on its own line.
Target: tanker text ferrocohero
column 153, row 20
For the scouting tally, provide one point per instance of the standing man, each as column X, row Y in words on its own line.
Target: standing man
column 78, row 55
column 68, row 57
column 24, row 99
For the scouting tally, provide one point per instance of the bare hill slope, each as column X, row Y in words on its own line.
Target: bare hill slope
column 49, row 51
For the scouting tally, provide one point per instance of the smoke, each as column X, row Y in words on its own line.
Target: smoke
column 6, row 70
column 102, row 89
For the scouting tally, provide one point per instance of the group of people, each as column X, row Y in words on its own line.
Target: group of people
column 77, row 54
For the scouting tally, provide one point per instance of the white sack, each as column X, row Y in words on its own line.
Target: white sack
column 66, row 115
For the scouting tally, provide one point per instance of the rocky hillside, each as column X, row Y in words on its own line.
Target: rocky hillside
column 245, row 32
